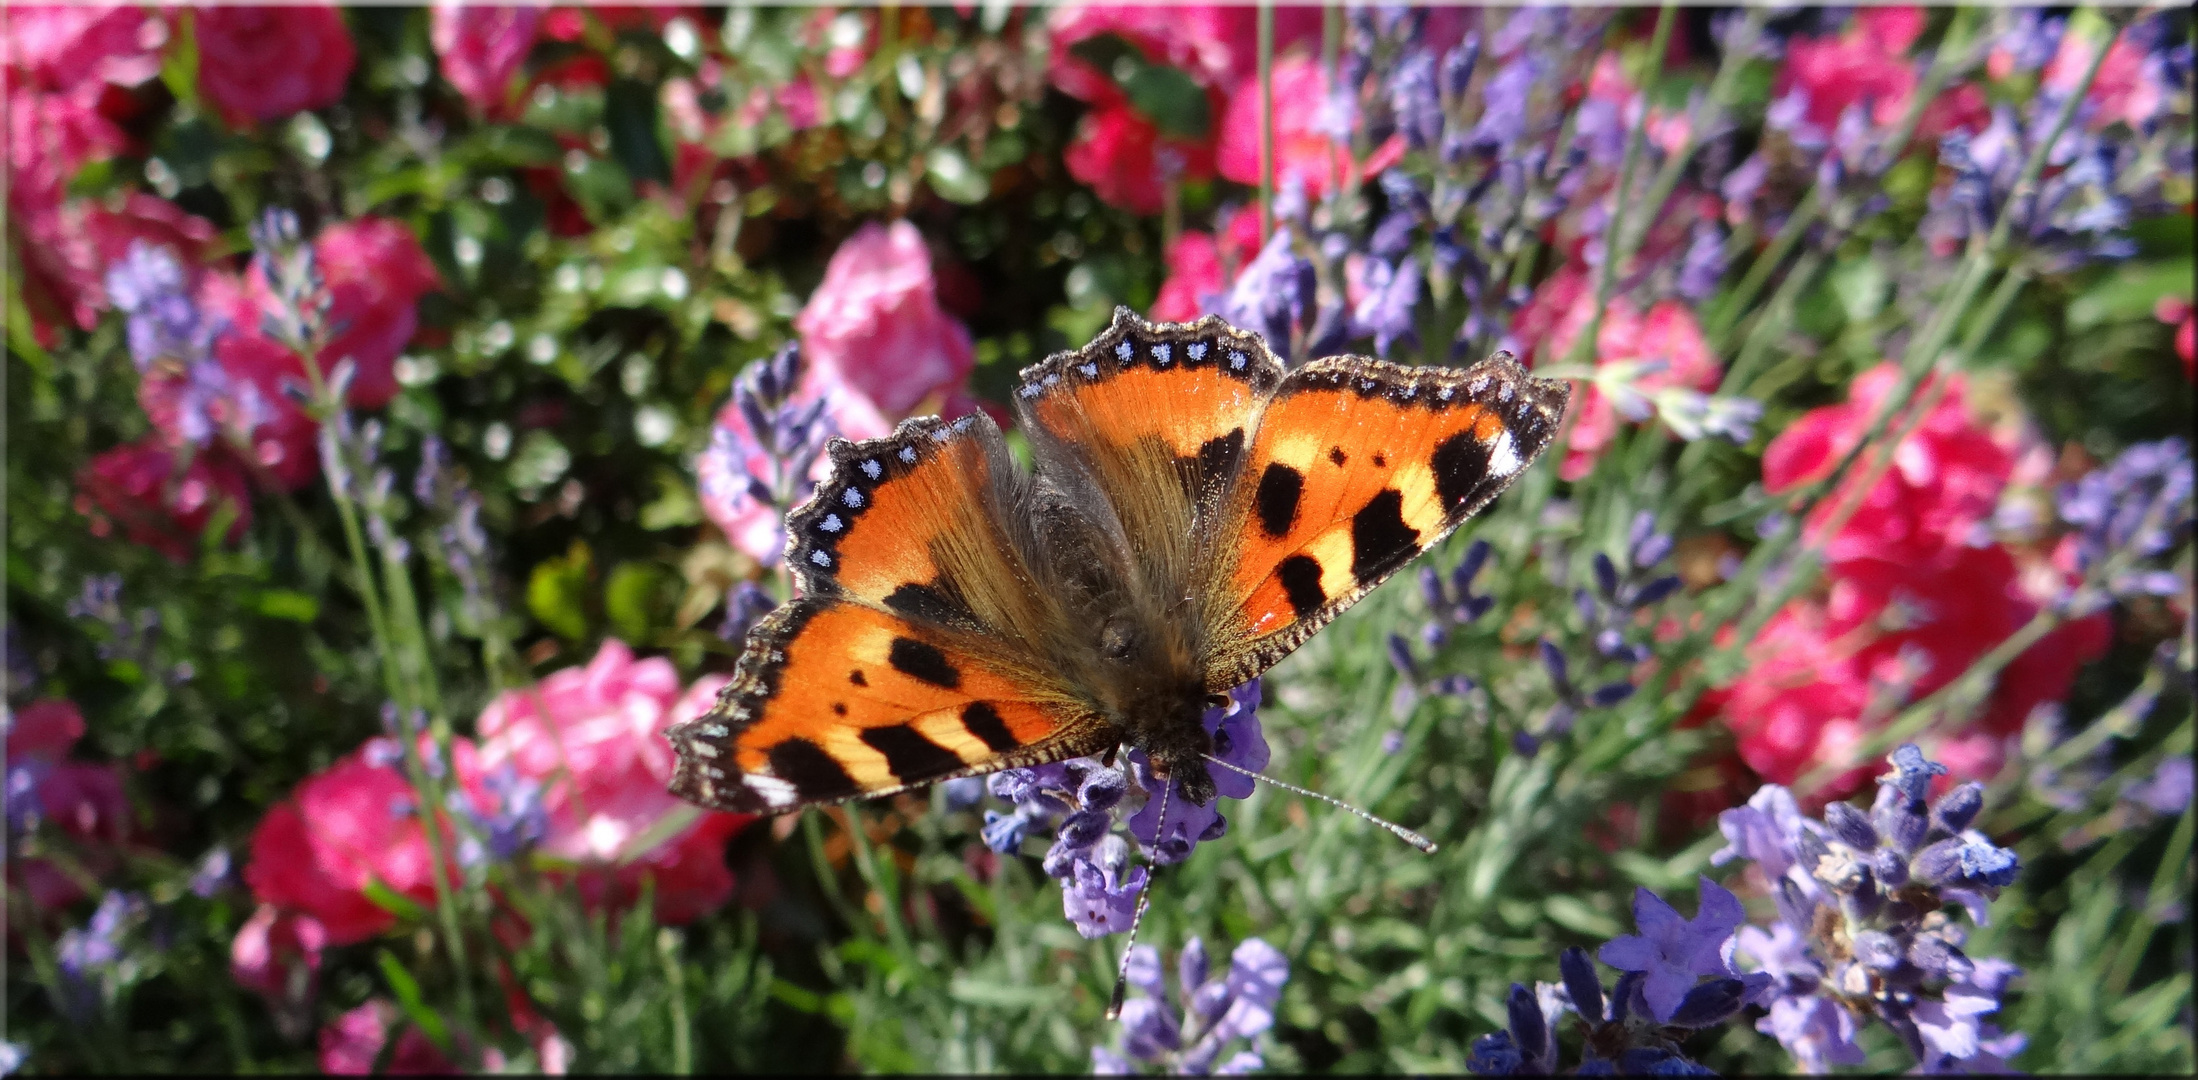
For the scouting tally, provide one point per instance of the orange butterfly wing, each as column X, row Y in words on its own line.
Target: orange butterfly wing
column 905, row 660
column 1358, row 466
column 834, row 699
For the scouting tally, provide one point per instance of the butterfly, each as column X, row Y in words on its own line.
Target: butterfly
column 1195, row 512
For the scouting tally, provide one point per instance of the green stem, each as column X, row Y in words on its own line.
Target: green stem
column 888, row 889
column 1266, row 119
column 1614, row 253
column 1698, row 119
column 667, row 948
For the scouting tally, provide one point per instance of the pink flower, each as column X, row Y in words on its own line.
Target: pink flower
column 356, row 821
column 1301, row 149
column 63, row 47
column 265, row 63
column 875, row 323
column 82, row 800
column 594, row 737
column 1551, row 322
column 481, row 48
column 376, row 272
column 2128, row 87
column 1213, row 44
column 351, row 1043
column 1194, row 273
column 158, row 503
column 277, row 955
column 1944, row 479
column 1127, row 163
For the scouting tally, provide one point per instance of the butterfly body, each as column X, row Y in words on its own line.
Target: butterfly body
column 1195, row 513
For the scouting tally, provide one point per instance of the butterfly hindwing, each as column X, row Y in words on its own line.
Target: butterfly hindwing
column 834, row 699
column 1359, row 465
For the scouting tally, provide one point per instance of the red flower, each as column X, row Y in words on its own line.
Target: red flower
column 165, row 508
column 352, row 823
column 1126, row 161
column 1944, row 479
column 2177, row 312
column 265, row 63
column 351, row 1043
column 481, row 48
column 875, row 322
column 1868, row 65
column 594, row 737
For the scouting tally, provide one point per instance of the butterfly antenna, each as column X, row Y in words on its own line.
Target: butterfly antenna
column 1425, row 845
column 1144, row 897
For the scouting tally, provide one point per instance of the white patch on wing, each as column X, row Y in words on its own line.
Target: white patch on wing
column 771, row 789
column 1502, row 459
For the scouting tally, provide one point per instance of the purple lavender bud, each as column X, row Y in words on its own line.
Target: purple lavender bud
column 1645, row 546
column 1434, row 635
column 1102, row 790
column 1958, row 807
column 1416, row 101
column 1524, row 744
column 213, row 875
column 1912, row 772
column 1553, row 658
column 1393, row 237
column 1938, row 958
column 1582, row 983
column 1610, row 694
column 1529, row 1029
column 1703, row 265
column 1461, row 579
column 1476, row 607
column 1656, row 591
column 1494, row 1054
column 1431, row 588
column 1939, row 864
column 1013, row 785
column 1877, row 950
column 1400, row 657
column 1711, row 1003
column 1901, row 823
column 1813, row 850
column 1606, row 577
column 1452, row 684
column 1583, row 602
column 1458, row 64
column 1004, row 833
column 1891, row 868
column 1625, row 996
column 1850, row 826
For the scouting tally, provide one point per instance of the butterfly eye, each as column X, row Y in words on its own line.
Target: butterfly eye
column 1116, row 640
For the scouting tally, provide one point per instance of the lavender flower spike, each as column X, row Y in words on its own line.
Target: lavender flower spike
column 1673, row 952
column 1210, row 1013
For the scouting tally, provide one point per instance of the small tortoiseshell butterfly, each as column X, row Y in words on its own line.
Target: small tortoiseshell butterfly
column 1196, row 513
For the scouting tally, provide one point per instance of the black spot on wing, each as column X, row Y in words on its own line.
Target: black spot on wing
column 911, row 756
column 856, row 677
column 927, row 602
column 1300, row 576
column 1218, row 456
column 1276, row 499
column 984, row 722
column 1337, row 456
column 1380, row 540
column 814, row 773
column 1460, row 465
column 923, row 663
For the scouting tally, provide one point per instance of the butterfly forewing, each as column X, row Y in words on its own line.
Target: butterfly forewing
column 1359, row 465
